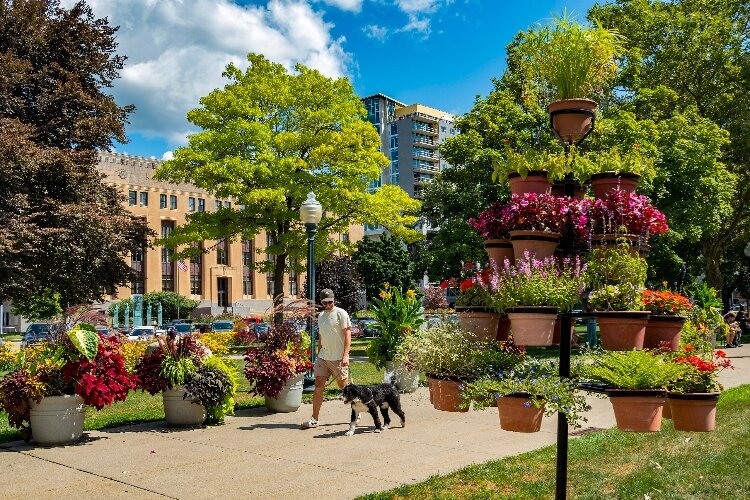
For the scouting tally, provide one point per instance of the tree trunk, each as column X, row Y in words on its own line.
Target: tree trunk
column 712, row 254
column 278, row 287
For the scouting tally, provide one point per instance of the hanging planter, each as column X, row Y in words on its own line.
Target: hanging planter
column 622, row 330
column 539, row 244
column 694, row 412
column 518, row 413
column 532, row 326
column 445, row 392
column 637, row 410
column 604, row 182
column 499, row 249
column 572, row 119
column 556, row 335
column 536, row 181
column 663, row 329
column 479, row 321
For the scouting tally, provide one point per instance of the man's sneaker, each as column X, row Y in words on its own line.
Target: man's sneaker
column 310, row 424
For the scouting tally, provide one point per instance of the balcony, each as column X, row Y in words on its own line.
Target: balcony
column 421, row 153
column 424, row 128
column 424, row 166
column 423, row 140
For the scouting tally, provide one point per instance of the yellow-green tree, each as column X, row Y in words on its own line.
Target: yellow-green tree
column 268, row 138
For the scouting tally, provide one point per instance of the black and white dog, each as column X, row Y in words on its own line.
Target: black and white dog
column 369, row 399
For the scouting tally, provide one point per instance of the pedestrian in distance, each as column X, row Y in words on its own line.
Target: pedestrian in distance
column 734, row 328
column 334, row 341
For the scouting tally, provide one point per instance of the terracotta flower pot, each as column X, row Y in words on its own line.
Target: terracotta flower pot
column 604, row 182
column 535, row 182
column 499, row 250
column 539, row 244
column 572, row 119
column 666, row 411
column 694, row 412
column 558, row 189
column 518, row 414
column 662, row 328
column 480, row 322
column 637, row 411
column 622, row 330
column 532, row 326
column 445, row 393
column 503, row 328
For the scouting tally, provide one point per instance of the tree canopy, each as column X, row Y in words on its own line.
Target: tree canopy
column 65, row 232
column 339, row 274
column 383, row 261
column 268, row 138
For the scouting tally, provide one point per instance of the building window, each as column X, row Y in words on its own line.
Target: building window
column 144, row 199
column 196, row 271
column 172, row 202
column 167, row 266
column 222, row 253
column 394, row 129
column 191, row 204
column 138, row 265
column 132, row 198
column 218, row 205
column 227, row 204
column 162, row 201
column 201, row 205
column 345, row 237
column 292, row 277
column 247, row 267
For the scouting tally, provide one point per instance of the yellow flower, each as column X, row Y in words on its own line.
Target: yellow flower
column 411, row 294
column 385, row 295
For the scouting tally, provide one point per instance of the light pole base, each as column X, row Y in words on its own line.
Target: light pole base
column 308, row 383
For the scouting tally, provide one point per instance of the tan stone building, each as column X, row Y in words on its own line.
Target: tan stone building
column 223, row 278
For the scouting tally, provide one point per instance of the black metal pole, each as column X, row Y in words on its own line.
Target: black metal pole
column 309, row 381
column 561, row 470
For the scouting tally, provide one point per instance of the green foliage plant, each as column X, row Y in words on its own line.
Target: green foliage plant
column 398, row 315
column 632, row 370
column 568, row 60
column 44, row 305
column 214, row 384
column 85, row 338
column 536, row 378
column 446, row 350
column 631, row 161
column 616, row 276
column 556, row 165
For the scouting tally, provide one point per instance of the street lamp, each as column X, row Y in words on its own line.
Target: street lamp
column 310, row 213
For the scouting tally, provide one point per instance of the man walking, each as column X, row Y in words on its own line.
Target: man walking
column 334, row 341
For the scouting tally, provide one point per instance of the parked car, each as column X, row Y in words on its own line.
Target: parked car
column 35, row 333
column 183, row 328
column 357, row 331
column 102, row 330
column 202, row 327
column 368, row 327
column 142, row 333
column 262, row 329
column 222, row 326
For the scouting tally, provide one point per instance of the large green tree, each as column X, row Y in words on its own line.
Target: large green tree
column 64, row 231
column 268, row 138
column 381, row 261
column 695, row 56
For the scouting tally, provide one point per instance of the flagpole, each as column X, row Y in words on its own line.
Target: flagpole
column 178, row 291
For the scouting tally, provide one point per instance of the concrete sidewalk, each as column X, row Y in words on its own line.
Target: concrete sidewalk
column 263, row 455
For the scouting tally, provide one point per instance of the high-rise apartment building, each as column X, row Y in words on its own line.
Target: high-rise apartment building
column 410, row 136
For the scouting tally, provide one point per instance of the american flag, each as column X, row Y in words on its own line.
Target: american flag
column 182, row 266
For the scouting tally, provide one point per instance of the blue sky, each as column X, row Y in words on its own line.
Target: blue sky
column 440, row 53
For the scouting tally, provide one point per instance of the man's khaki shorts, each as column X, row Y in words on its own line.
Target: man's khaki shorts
column 326, row 368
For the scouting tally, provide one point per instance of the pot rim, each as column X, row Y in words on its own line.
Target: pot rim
column 611, row 174
column 696, row 396
column 532, row 309
column 531, row 173
column 451, row 378
column 667, row 317
column 474, row 309
column 642, row 393
column 622, row 314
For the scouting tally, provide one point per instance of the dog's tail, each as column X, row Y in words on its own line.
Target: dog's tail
column 394, row 383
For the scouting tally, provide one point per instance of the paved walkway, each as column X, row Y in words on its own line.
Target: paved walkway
column 261, row 455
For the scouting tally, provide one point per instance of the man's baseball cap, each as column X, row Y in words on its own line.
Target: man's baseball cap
column 326, row 295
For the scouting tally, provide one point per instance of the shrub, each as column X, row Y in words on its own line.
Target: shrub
column 281, row 355
column 214, row 384
column 631, row 369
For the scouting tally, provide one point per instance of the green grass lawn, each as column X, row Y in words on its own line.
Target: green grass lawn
column 613, row 464
column 142, row 407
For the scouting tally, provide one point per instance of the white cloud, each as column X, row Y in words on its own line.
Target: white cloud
column 412, row 6
column 350, row 5
column 377, row 32
column 177, row 51
column 418, row 12
column 168, row 155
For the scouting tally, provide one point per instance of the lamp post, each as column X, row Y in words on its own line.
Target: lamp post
column 310, row 213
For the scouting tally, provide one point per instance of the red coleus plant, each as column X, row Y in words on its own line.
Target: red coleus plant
column 623, row 212
column 490, row 223
column 665, row 302
column 103, row 380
